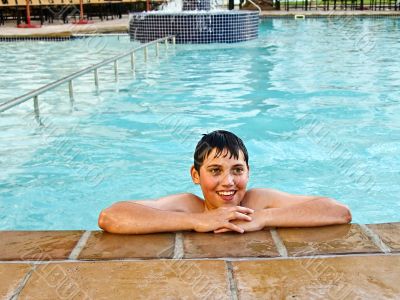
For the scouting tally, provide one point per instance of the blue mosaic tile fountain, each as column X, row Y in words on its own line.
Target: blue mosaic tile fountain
column 197, row 23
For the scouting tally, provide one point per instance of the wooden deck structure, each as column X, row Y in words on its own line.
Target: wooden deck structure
column 66, row 10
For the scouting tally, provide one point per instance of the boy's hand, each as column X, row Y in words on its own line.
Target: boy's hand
column 221, row 218
column 256, row 223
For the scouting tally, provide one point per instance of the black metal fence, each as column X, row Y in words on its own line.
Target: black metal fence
column 111, row 10
column 66, row 13
column 365, row 5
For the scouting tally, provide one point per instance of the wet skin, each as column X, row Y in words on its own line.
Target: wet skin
column 223, row 179
column 227, row 205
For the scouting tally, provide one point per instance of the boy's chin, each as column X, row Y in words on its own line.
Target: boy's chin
column 217, row 202
column 234, row 202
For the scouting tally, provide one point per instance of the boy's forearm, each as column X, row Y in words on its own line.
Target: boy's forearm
column 317, row 212
column 131, row 218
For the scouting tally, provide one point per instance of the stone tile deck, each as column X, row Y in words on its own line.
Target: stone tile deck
column 167, row 279
column 348, row 277
column 102, row 245
column 37, row 245
column 335, row 262
column 327, row 240
column 65, row 30
column 389, row 233
column 210, row 245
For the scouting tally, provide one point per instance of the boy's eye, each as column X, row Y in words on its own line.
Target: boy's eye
column 238, row 171
column 214, row 171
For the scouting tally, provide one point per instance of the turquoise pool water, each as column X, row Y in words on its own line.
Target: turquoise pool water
column 316, row 102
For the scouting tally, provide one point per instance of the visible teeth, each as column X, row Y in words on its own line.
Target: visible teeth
column 226, row 193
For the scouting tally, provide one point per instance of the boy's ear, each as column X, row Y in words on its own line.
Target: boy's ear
column 195, row 175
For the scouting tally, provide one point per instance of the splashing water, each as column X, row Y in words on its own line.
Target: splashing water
column 172, row 6
column 177, row 5
column 214, row 4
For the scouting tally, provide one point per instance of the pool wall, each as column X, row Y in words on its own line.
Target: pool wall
column 195, row 28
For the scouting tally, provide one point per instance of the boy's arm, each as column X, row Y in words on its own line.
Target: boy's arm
column 279, row 209
column 172, row 213
column 317, row 211
column 133, row 218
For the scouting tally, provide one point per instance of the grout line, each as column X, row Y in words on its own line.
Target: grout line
column 79, row 246
column 21, row 285
column 178, row 249
column 247, row 258
column 375, row 238
column 279, row 243
column 231, row 280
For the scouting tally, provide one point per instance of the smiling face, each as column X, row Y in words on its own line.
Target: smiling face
column 222, row 179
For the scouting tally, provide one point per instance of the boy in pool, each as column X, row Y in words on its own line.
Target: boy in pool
column 221, row 169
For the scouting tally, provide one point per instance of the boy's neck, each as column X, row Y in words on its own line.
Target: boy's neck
column 208, row 206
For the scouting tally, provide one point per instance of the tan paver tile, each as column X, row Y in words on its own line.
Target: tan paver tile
column 389, row 234
column 344, row 277
column 252, row 244
column 37, row 245
column 336, row 239
column 103, row 245
column 163, row 279
column 10, row 276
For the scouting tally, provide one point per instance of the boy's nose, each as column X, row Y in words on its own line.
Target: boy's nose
column 227, row 180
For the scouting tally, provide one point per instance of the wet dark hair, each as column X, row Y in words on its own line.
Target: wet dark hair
column 219, row 140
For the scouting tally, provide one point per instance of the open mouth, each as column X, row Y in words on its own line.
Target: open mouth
column 226, row 195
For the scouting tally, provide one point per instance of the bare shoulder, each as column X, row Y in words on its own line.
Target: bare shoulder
column 257, row 199
column 261, row 198
column 185, row 202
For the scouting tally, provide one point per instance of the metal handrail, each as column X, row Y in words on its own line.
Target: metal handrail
column 258, row 7
column 35, row 93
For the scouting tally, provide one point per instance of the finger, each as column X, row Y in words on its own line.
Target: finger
column 239, row 216
column 244, row 210
column 234, row 227
column 222, row 230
